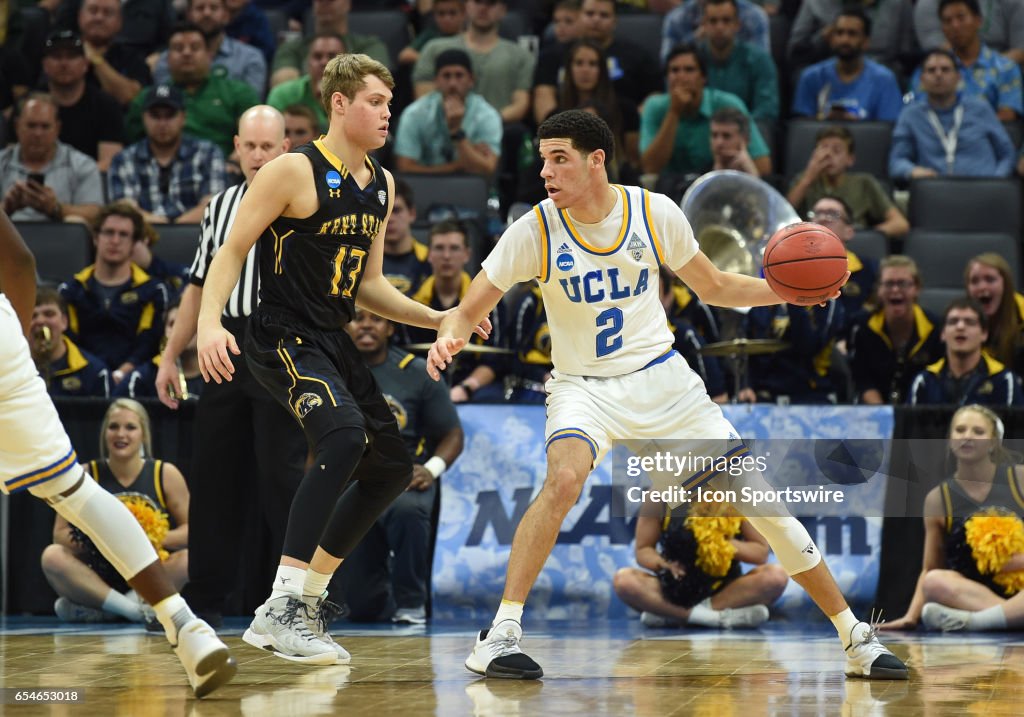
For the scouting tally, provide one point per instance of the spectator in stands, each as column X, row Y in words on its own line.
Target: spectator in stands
column 449, row 19
column 169, row 175
column 683, row 25
column 826, row 174
column 329, row 16
column 802, row 373
column 90, row 119
column 730, row 137
column 735, row 66
column 889, row 347
column 630, row 64
column 681, row 585
column 693, row 324
column 66, row 369
column 387, row 576
column 892, row 40
column 213, row 102
column 549, row 72
column 502, row 70
column 41, row 178
column 968, row 373
column 988, row 280
column 475, row 376
column 248, row 24
column 848, row 86
column 239, row 61
column 117, row 68
column 566, row 22
column 305, row 90
column 832, row 212
column 587, row 84
column 1002, row 26
column 145, row 25
column 115, row 309
column 530, row 340
column 983, row 71
column 968, row 141
column 675, row 128
column 88, row 586
column 141, row 382
column 967, row 582
column 405, row 259
column 452, row 129
column 300, row 124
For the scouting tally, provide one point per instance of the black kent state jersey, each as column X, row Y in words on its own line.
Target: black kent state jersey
column 312, row 267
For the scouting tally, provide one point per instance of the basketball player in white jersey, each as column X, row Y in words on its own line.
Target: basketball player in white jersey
column 596, row 249
column 36, row 455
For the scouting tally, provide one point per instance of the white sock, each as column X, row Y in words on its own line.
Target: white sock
column 120, row 604
column 991, row 618
column 845, row 622
column 509, row 610
column 288, row 581
column 704, row 615
column 315, row 583
column 173, row 613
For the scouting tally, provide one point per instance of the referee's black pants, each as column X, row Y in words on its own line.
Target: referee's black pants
column 248, row 450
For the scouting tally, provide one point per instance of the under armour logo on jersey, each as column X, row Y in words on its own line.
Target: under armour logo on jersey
column 635, row 247
column 382, row 197
column 809, row 549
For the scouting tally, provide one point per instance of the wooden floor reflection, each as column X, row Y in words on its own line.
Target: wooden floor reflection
column 614, row 669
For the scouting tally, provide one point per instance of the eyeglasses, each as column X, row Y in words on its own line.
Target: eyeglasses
column 828, row 215
column 896, row 284
column 965, row 320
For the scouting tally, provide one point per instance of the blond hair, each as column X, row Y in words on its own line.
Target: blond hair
column 139, row 410
column 347, row 74
column 900, row 261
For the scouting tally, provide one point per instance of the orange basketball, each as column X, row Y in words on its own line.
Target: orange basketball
column 805, row 263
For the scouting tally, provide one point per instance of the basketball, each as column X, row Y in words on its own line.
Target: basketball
column 805, row 263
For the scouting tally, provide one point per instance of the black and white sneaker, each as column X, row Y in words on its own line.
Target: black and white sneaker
column 497, row 654
column 869, row 658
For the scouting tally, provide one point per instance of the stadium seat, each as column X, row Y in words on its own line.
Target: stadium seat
column 643, row 28
column 61, row 249
column 871, row 146
column 1015, row 129
column 391, row 26
column 942, row 256
column 934, row 300
column 178, row 243
column 869, row 243
column 462, row 191
column 966, row 204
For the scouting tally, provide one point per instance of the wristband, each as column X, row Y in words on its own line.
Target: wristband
column 435, row 466
column 467, row 388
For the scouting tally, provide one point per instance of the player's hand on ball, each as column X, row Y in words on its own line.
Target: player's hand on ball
column 442, row 354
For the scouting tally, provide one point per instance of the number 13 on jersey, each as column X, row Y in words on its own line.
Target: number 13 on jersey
column 348, row 265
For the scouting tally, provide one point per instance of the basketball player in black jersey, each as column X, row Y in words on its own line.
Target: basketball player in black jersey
column 320, row 212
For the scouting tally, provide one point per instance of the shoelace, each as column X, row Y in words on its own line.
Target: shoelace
column 872, row 633
column 326, row 612
column 508, row 645
column 290, row 616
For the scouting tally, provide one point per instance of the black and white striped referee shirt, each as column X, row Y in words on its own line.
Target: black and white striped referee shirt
column 213, row 232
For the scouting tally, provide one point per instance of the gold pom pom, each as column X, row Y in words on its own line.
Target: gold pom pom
column 714, row 550
column 995, row 536
column 153, row 521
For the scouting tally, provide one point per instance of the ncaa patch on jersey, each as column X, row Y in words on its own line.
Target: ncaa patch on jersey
column 635, row 247
column 333, row 179
column 565, row 262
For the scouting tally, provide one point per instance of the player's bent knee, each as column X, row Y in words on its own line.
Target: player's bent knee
column 790, row 542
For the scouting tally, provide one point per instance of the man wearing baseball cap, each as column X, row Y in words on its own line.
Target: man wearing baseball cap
column 169, row 176
column 452, row 129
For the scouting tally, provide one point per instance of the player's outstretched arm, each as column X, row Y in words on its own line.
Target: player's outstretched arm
column 269, row 196
column 458, row 323
column 17, row 271
column 723, row 288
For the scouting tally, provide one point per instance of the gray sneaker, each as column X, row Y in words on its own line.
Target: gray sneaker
column 282, row 626
column 69, row 611
column 321, row 612
column 410, row 615
column 936, row 616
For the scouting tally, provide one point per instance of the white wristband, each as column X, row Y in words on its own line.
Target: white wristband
column 435, row 466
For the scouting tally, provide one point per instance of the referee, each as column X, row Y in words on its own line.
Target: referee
column 259, row 452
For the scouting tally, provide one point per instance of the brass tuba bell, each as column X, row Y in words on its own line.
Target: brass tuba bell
column 733, row 215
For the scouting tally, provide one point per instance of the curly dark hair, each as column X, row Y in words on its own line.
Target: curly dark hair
column 585, row 130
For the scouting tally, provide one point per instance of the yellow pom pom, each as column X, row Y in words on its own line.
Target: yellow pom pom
column 714, row 550
column 153, row 521
column 1011, row 583
column 995, row 536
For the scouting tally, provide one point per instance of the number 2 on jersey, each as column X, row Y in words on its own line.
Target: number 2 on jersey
column 348, row 265
column 608, row 339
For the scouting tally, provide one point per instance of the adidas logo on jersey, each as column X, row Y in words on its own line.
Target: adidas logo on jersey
column 565, row 261
column 565, row 248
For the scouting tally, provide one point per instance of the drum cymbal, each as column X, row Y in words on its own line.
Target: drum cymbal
column 468, row 348
column 744, row 347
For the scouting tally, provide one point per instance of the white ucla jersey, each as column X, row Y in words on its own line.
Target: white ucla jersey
column 599, row 281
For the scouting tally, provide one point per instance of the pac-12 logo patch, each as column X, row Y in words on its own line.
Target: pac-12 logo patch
column 382, row 197
column 333, row 179
column 306, row 403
